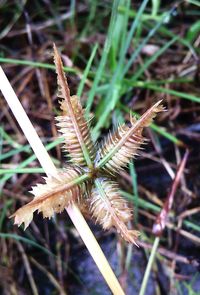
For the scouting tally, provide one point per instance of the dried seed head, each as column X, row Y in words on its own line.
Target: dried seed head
column 99, row 196
column 110, row 209
column 51, row 197
column 121, row 146
column 68, row 132
column 72, row 123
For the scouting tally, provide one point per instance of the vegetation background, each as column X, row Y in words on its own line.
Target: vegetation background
column 120, row 57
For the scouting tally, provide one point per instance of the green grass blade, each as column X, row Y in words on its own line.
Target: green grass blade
column 113, row 96
column 28, row 161
column 11, row 153
column 135, row 190
column 181, row 40
column 35, row 64
column 141, row 202
column 26, row 241
column 102, row 63
column 145, row 17
column 166, row 134
column 21, row 170
column 172, row 92
column 85, row 74
column 145, row 40
column 150, row 60
column 8, row 138
column 119, row 36
column 191, row 225
column 149, row 266
column 115, row 84
column 133, row 28
column 194, row 2
column 155, row 208
column 155, row 7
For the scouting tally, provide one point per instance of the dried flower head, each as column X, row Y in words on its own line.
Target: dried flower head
column 88, row 180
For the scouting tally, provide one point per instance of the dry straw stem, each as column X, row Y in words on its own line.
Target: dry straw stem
column 49, row 168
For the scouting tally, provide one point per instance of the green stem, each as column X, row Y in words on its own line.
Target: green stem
column 9, row 139
column 155, row 208
column 86, row 71
column 22, row 170
column 81, row 178
column 34, row 64
column 28, row 161
column 149, row 266
column 25, row 148
column 135, row 189
column 132, row 13
column 100, row 189
column 172, row 92
column 26, row 241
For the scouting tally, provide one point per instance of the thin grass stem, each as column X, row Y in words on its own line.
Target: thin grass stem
column 35, row 64
column 85, row 74
column 149, row 266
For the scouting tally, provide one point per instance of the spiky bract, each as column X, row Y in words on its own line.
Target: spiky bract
column 85, row 182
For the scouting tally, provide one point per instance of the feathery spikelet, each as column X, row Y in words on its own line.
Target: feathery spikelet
column 122, row 157
column 66, row 128
column 110, row 209
column 102, row 198
column 120, row 147
column 72, row 123
column 51, row 197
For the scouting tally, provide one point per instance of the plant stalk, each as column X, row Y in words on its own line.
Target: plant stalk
column 149, row 266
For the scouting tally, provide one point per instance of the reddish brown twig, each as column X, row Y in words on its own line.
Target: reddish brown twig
column 161, row 220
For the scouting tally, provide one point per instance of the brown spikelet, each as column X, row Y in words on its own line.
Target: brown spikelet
column 89, row 181
column 123, row 156
column 72, row 124
column 66, row 128
column 121, row 146
column 110, row 209
column 51, row 197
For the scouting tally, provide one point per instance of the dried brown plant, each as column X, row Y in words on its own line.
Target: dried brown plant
column 89, row 178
